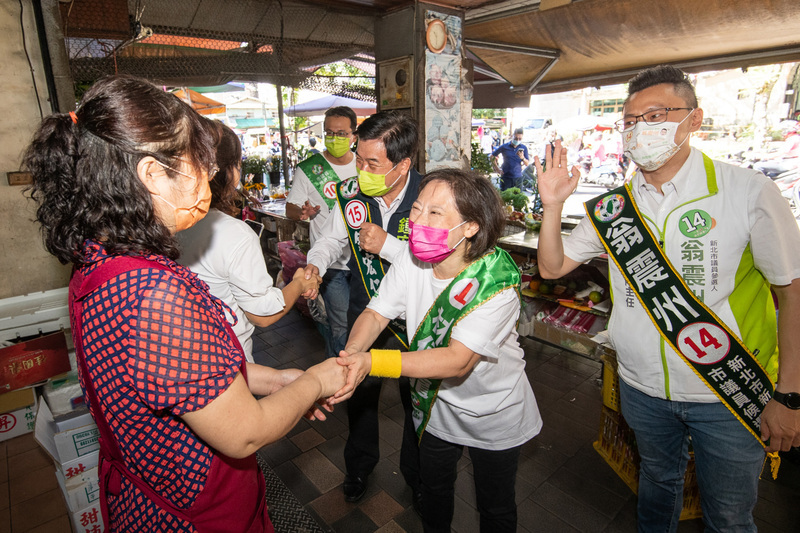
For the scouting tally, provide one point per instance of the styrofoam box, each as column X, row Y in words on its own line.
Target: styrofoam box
column 88, row 520
column 34, row 314
column 67, row 439
column 80, row 491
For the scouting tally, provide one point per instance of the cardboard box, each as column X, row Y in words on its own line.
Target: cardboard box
column 80, row 491
column 32, row 361
column 580, row 343
column 19, row 421
column 17, row 399
column 66, row 439
column 88, row 520
column 78, row 467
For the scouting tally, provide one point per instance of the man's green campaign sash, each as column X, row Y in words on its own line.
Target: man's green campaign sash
column 714, row 352
column 355, row 213
column 322, row 176
column 476, row 284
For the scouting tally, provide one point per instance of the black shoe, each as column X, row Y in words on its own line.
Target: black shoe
column 417, row 502
column 354, row 488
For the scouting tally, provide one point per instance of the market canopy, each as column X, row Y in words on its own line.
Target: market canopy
column 202, row 104
column 519, row 47
column 320, row 105
column 598, row 42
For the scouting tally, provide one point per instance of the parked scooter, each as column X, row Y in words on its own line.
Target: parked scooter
column 608, row 174
column 789, row 184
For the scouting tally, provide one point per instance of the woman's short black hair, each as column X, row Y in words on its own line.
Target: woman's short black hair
column 664, row 74
column 85, row 179
column 229, row 162
column 397, row 131
column 477, row 201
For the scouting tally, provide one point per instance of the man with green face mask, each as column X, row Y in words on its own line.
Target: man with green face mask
column 312, row 197
column 373, row 222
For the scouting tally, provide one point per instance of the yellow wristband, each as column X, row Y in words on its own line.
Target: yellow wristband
column 386, row 363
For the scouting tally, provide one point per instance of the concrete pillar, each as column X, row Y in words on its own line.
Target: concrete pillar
column 432, row 85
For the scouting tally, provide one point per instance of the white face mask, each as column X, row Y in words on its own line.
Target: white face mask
column 650, row 147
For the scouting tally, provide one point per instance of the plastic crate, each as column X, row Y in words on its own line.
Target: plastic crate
column 610, row 381
column 617, row 445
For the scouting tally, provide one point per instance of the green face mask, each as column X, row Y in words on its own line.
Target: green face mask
column 337, row 146
column 373, row 184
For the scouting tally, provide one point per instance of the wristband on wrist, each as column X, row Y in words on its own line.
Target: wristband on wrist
column 386, row 363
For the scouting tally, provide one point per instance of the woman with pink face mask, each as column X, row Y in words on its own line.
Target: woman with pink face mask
column 161, row 370
column 459, row 296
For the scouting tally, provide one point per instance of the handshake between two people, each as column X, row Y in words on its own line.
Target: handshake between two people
column 338, row 378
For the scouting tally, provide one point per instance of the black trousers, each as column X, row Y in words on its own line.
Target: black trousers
column 361, row 452
column 495, row 473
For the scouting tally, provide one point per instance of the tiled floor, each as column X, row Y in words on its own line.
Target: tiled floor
column 562, row 486
column 30, row 500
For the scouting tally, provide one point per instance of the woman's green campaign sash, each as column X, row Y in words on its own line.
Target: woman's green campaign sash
column 476, row 284
column 355, row 213
column 322, row 176
column 702, row 339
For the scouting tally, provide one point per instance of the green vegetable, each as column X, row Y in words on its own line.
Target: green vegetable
column 515, row 198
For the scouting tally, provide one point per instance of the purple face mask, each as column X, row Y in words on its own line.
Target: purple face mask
column 430, row 244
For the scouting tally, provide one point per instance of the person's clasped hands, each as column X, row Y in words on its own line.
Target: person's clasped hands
column 332, row 377
column 309, row 280
column 357, row 365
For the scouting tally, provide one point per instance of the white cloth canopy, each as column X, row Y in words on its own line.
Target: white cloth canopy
column 320, row 105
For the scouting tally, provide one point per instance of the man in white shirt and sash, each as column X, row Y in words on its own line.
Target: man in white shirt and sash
column 313, row 197
column 694, row 247
column 373, row 223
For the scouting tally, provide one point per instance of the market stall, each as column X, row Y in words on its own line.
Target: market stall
column 567, row 312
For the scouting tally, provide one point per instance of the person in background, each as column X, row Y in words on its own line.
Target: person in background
column 515, row 157
column 486, row 143
column 313, row 197
column 698, row 245
column 372, row 220
column 786, row 158
column 469, row 387
column 226, row 253
column 163, row 374
column 312, row 145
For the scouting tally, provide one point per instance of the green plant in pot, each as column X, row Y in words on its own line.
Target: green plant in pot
column 275, row 169
column 256, row 166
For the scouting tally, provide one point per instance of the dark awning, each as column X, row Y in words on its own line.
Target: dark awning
column 599, row 42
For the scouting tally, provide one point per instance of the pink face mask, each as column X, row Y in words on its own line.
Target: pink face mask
column 430, row 244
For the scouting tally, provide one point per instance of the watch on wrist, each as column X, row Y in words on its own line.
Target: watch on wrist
column 789, row 399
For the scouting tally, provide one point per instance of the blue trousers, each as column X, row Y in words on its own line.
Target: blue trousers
column 335, row 291
column 727, row 457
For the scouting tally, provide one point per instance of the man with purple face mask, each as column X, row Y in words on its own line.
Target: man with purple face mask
column 700, row 244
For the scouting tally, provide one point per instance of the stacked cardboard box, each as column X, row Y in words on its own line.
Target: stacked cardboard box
column 17, row 413
column 72, row 441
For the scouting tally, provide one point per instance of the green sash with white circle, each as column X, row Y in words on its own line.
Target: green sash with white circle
column 476, row 284
column 322, row 176
column 714, row 352
column 355, row 213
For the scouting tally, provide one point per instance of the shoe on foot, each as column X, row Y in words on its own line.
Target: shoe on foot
column 354, row 488
column 417, row 502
